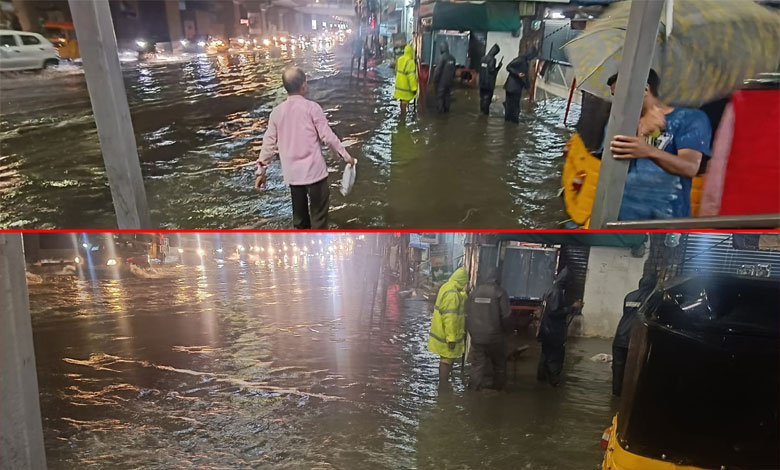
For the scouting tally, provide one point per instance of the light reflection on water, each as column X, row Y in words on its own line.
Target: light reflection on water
column 199, row 124
column 285, row 366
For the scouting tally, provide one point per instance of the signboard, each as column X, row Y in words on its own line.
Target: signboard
column 416, row 241
column 387, row 29
column 431, row 238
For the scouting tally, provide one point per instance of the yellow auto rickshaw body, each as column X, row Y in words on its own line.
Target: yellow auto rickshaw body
column 580, row 178
column 63, row 35
column 617, row 458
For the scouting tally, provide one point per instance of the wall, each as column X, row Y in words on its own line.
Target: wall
column 510, row 47
column 612, row 273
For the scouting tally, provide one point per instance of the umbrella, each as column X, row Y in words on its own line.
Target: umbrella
column 705, row 48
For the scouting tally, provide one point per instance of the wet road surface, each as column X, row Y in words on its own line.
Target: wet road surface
column 199, row 122
column 284, row 366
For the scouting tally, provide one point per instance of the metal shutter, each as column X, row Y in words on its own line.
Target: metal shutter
column 715, row 253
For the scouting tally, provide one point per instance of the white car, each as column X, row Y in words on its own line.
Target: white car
column 20, row 50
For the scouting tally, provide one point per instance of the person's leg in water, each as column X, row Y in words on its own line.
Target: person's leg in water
column 619, row 356
column 319, row 203
column 300, row 206
column 485, row 97
column 479, row 364
column 541, row 369
column 498, row 362
column 445, row 367
column 512, row 107
column 404, row 104
column 555, row 363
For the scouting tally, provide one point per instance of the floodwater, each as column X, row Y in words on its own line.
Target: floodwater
column 199, row 123
column 287, row 366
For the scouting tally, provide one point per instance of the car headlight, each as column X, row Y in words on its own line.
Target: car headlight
column 184, row 42
column 77, row 260
column 140, row 43
column 201, row 252
column 180, row 250
column 111, row 262
column 202, row 43
column 266, row 42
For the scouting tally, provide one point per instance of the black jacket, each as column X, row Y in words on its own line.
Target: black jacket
column 488, row 70
column 631, row 305
column 487, row 313
column 553, row 328
column 444, row 74
column 515, row 84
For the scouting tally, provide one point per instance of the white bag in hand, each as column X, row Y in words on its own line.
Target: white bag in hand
column 348, row 179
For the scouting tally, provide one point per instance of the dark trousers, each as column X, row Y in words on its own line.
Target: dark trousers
column 512, row 107
column 352, row 64
column 485, row 98
column 443, row 100
column 488, row 358
column 551, row 363
column 619, row 356
column 310, row 205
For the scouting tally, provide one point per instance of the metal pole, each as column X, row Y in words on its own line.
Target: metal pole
column 97, row 43
column 21, row 432
column 641, row 35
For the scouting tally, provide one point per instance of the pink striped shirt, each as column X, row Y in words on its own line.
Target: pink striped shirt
column 296, row 128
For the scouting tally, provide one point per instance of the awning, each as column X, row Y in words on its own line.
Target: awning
column 474, row 16
column 624, row 240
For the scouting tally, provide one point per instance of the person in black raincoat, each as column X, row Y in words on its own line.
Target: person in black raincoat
column 487, row 320
column 554, row 329
column 443, row 77
column 631, row 304
column 515, row 83
column 488, row 72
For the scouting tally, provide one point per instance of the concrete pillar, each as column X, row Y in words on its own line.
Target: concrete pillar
column 27, row 14
column 21, row 432
column 280, row 25
column 97, row 42
column 173, row 15
column 264, row 20
column 641, row 36
column 299, row 23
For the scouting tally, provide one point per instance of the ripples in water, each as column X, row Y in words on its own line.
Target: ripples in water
column 286, row 367
column 199, row 123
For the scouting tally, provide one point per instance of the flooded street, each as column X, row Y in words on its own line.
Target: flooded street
column 199, row 123
column 286, row 366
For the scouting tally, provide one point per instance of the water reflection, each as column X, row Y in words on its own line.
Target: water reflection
column 199, row 124
column 284, row 365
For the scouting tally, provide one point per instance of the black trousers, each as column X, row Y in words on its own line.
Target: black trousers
column 485, row 98
column 487, row 358
column 551, row 363
column 512, row 107
column 443, row 96
column 310, row 205
column 619, row 356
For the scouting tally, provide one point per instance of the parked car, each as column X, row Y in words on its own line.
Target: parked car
column 20, row 50
column 701, row 382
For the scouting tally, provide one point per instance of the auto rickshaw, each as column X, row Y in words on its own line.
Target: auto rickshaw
column 701, row 383
column 63, row 35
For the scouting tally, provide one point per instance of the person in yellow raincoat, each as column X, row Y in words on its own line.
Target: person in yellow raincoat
column 448, row 327
column 406, row 78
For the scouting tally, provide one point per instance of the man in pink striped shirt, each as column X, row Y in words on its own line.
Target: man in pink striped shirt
column 296, row 128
